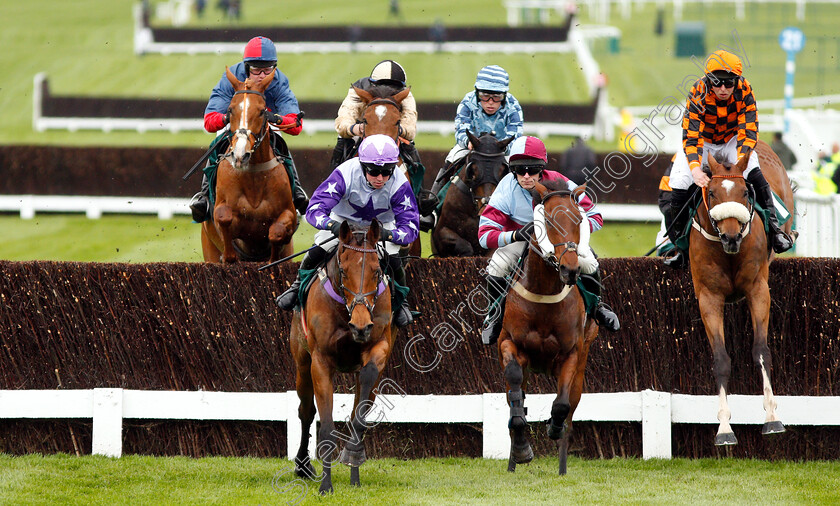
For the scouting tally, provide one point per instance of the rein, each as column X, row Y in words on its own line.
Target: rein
column 745, row 227
column 484, row 177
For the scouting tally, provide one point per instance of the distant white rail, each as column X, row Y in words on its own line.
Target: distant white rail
column 165, row 208
column 657, row 411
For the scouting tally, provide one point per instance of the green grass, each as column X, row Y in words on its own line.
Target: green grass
column 137, row 239
column 89, row 481
column 86, row 47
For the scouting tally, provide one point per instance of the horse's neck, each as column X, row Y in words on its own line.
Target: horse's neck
column 538, row 276
column 265, row 151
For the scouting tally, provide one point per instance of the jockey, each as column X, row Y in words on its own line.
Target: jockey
column 386, row 79
column 488, row 108
column 507, row 222
column 359, row 190
column 258, row 62
column 720, row 120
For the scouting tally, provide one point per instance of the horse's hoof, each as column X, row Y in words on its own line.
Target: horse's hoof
column 353, row 458
column 304, row 469
column 522, row 455
column 326, row 488
column 775, row 427
column 725, row 439
column 555, row 432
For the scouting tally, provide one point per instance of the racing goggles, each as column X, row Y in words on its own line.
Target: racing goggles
column 379, row 170
column 490, row 96
column 726, row 82
column 531, row 170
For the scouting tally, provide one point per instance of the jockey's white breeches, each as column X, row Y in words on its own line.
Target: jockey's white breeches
column 681, row 175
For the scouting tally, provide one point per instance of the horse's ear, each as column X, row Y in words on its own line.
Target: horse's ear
column 503, row 144
column 745, row 159
column 714, row 166
column 473, row 139
column 399, row 97
column 540, row 190
column 237, row 84
column 365, row 96
column 580, row 190
column 374, row 231
column 344, row 233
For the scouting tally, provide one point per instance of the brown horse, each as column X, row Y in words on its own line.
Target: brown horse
column 254, row 217
column 730, row 259
column 382, row 115
column 350, row 334
column 456, row 232
column 545, row 328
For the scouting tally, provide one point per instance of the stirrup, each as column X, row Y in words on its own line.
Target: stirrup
column 678, row 261
column 199, row 207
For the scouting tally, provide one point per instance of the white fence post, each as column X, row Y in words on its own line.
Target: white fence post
column 495, row 435
column 107, row 421
column 656, row 425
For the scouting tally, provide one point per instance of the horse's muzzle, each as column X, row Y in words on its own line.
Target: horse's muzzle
column 731, row 243
column 568, row 275
column 361, row 335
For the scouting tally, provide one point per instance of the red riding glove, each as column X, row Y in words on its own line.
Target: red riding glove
column 214, row 121
column 292, row 119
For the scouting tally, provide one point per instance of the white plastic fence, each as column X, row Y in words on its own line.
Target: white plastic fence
column 656, row 411
column 818, row 223
column 166, row 208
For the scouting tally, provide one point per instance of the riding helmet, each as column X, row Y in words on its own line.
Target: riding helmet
column 492, row 78
column 388, row 71
column 260, row 52
column 527, row 150
column 723, row 64
column 379, row 150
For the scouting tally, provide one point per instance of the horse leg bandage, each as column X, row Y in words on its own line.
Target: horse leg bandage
column 517, row 408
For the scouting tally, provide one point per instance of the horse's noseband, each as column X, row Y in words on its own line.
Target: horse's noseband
column 713, row 222
column 569, row 246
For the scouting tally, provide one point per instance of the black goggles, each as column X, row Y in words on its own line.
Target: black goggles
column 379, row 170
column 726, row 82
column 531, row 170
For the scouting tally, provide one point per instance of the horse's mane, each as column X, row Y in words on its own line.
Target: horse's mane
column 383, row 91
column 555, row 184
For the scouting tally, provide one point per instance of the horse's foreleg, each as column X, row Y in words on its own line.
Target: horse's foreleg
column 323, row 386
column 759, row 300
column 280, row 235
column 520, row 449
column 223, row 216
column 452, row 244
column 306, row 413
column 711, row 311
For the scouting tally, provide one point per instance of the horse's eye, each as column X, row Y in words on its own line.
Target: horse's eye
column 711, row 194
column 746, row 194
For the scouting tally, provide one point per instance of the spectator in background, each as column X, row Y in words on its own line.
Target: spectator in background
column 577, row 158
column 437, row 32
column 783, row 151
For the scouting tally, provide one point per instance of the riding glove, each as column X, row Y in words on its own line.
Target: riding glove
column 385, row 235
column 524, row 233
column 335, row 227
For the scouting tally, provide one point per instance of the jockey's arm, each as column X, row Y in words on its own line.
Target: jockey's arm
column 408, row 118
column 747, row 123
column 463, row 121
column 349, row 114
column 324, row 199
column 406, row 215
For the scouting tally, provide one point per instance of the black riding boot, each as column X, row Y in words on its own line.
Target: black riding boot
column 602, row 314
column 200, row 203
column 429, row 204
column 779, row 240
column 342, row 151
column 402, row 314
column 675, row 223
column 288, row 299
column 496, row 290
column 299, row 197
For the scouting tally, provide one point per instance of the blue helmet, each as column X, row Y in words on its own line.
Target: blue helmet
column 260, row 52
column 492, row 78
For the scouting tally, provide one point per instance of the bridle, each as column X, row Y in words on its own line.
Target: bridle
column 744, row 226
column 359, row 297
column 569, row 246
column 381, row 101
column 263, row 129
column 484, row 177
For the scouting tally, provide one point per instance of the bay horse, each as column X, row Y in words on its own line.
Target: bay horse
column 730, row 259
column 382, row 115
column 344, row 325
column 545, row 329
column 254, row 217
column 456, row 232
